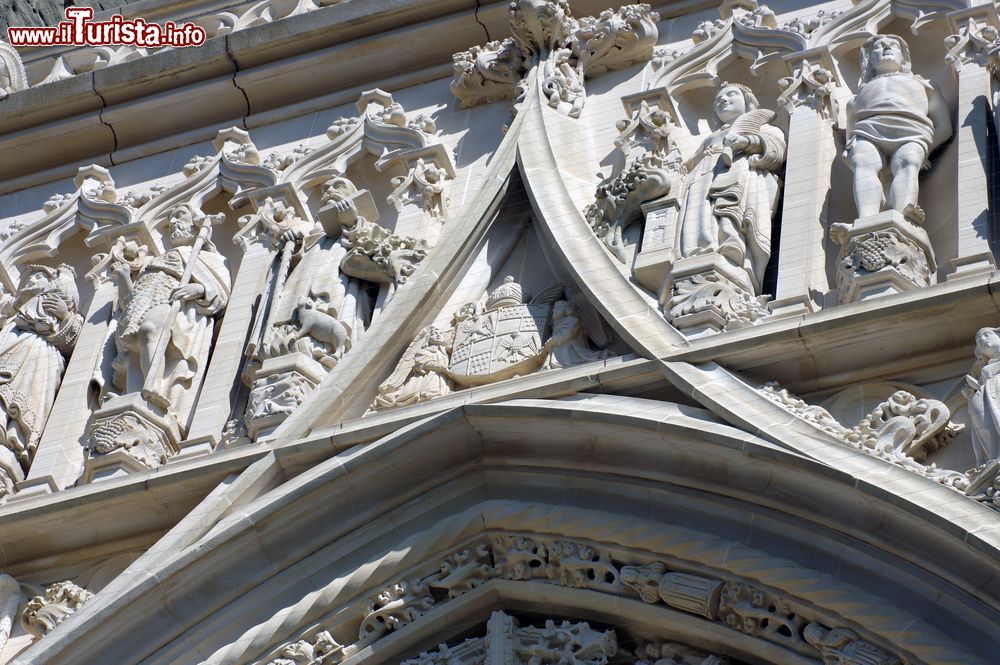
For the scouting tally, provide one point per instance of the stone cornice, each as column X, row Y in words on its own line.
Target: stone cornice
column 251, row 77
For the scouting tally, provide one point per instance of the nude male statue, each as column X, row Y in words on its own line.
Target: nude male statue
column 896, row 119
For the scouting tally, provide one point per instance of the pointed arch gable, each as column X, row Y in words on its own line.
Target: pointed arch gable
column 645, row 482
column 347, row 391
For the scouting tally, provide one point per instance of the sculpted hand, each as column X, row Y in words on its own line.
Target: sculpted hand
column 187, row 292
column 121, row 271
column 55, row 307
column 737, row 142
column 291, row 235
column 346, row 210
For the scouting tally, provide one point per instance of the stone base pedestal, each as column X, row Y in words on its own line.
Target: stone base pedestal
column 881, row 255
column 115, row 464
column 971, row 266
column 280, row 385
column 127, row 434
column 706, row 294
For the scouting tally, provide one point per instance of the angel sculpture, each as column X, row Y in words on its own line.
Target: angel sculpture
column 574, row 326
column 732, row 188
column 420, row 375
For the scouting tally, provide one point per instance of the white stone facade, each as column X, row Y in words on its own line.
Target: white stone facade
column 544, row 331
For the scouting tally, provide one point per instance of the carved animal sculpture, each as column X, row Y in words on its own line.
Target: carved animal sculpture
column 322, row 327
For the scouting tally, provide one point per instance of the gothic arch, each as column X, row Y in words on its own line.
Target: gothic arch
column 661, row 488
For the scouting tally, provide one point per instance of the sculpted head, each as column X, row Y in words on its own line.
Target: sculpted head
column 988, row 344
column 564, row 308
column 733, row 100
column 338, row 189
column 439, row 337
column 35, row 280
column 182, row 225
column 884, row 54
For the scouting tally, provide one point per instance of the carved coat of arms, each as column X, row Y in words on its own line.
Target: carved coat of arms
column 505, row 340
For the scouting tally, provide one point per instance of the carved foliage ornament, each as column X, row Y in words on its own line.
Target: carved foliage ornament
column 61, row 600
column 507, row 641
column 740, row 605
column 564, row 49
column 902, row 430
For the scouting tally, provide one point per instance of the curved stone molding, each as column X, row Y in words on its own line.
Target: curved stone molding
column 578, row 549
column 633, row 316
column 563, row 50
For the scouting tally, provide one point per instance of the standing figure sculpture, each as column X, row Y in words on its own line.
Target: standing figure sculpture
column 732, row 185
column 982, row 389
column 144, row 314
column 38, row 335
column 896, row 120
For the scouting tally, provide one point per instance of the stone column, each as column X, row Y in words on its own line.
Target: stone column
column 59, row 459
column 974, row 31
column 215, row 403
column 808, row 97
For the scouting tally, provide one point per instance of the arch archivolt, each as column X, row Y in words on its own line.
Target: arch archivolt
column 649, row 582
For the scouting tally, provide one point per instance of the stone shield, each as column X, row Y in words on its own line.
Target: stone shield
column 499, row 344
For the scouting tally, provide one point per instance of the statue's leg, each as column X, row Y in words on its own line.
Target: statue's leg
column 154, row 325
column 906, row 165
column 866, row 162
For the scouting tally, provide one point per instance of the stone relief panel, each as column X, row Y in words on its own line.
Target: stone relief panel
column 732, row 604
column 506, row 336
column 314, row 256
column 333, row 271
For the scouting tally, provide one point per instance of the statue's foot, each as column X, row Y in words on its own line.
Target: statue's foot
column 914, row 213
column 733, row 252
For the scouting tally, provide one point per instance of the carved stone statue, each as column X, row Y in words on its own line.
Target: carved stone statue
column 895, row 121
column 420, row 375
column 732, row 185
column 982, row 389
column 145, row 311
column 41, row 326
column 569, row 343
column 841, row 646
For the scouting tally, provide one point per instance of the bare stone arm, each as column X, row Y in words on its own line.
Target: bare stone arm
column 940, row 115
